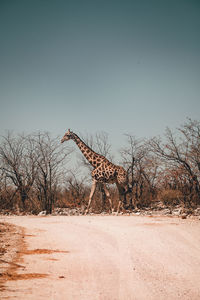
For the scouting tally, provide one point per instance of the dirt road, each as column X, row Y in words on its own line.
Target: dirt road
column 107, row 258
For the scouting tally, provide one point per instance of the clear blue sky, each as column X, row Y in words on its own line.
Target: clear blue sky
column 115, row 66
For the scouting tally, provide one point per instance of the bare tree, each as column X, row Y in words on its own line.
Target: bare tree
column 142, row 169
column 182, row 152
column 50, row 158
column 18, row 162
column 191, row 141
column 76, row 188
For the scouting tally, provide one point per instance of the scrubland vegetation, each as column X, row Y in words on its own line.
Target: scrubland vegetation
column 36, row 174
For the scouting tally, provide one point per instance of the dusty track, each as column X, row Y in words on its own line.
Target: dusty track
column 107, row 258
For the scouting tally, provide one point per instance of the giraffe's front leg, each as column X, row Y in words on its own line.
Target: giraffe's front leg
column 119, row 206
column 108, row 196
column 121, row 194
column 94, row 183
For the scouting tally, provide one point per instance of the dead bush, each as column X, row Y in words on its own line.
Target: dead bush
column 171, row 197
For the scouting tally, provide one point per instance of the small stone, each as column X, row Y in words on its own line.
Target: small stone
column 197, row 211
column 42, row 213
column 184, row 216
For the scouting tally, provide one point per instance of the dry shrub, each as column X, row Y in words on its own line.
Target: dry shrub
column 171, row 197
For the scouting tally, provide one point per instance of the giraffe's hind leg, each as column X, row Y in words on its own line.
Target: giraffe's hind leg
column 94, row 183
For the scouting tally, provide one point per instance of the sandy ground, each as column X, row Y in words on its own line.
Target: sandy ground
column 105, row 257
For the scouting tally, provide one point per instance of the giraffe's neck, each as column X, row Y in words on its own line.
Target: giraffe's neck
column 94, row 158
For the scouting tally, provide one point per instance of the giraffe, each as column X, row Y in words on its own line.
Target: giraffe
column 104, row 171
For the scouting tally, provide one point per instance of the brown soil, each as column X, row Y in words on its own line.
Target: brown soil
column 15, row 276
column 41, row 251
column 12, row 247
column 11, row 240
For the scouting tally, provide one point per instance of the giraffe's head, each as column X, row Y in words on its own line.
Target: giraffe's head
column 67, row 136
